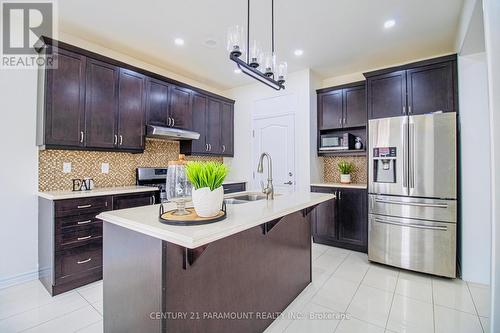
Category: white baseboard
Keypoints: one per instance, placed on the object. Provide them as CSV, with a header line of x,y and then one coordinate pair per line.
x,y
18,279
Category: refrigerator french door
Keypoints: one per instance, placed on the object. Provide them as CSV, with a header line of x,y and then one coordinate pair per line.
x,y
412,186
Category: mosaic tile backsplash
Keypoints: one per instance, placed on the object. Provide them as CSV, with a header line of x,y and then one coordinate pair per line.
x,y
122,166
332,174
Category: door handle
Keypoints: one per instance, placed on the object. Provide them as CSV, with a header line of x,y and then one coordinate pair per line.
x,y
81,136
168,121
116,139
206,148
209,147
173,122
412,225
83,206
84,222
288,182
411,130
405,154
84,261
121,139
223,148
416,204
83,238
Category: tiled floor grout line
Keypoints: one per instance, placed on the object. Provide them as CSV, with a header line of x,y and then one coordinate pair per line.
x,y
57,317
475,307
392,302
82,328
312,296
353,295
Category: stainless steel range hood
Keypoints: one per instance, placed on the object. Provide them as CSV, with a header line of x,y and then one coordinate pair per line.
x,y
169,133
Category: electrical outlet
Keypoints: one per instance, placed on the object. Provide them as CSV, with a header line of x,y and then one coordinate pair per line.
x,y
105,167
66,167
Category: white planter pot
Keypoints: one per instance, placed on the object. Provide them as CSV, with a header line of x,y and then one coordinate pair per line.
x,y
208,203
345,179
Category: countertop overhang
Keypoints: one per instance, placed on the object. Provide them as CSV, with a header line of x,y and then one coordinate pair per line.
x,y
240,217
97,192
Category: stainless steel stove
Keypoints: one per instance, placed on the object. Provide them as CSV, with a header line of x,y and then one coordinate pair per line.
x,y
155,177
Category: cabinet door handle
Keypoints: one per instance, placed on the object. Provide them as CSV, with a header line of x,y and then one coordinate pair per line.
x,y
206,148
209,147
84,238
340,121
121,139
84,261
116,139
84,222
81,136
223,148
83,206
409,109
340,195
153,199
173,122
404,109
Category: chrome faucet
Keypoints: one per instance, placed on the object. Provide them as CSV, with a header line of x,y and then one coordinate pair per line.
x,y
269,189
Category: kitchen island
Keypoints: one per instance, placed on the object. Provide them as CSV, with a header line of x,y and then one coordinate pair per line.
x,y
235,275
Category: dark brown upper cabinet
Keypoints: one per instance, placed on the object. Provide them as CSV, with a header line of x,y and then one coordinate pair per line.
x,y
342,107
158,102
430,89
214,120
64,120
355,106
101,105
330,110
227,129
92,102
214,127
387,95
418,88
131,114
180,111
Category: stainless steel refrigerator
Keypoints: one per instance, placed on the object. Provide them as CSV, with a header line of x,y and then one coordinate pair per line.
x,y
413,192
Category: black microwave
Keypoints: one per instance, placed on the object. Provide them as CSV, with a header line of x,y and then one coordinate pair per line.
x,y
344,141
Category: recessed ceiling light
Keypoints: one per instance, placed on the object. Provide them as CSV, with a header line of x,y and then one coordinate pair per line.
x,y
179,41
237,71
389,24
298,52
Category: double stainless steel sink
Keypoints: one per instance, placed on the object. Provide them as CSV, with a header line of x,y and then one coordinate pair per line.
x,y
244,198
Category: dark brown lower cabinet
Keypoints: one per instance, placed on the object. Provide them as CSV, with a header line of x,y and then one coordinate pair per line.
x,y
342,222
70,238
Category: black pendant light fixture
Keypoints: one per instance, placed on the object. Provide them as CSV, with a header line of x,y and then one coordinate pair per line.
x,y
259,65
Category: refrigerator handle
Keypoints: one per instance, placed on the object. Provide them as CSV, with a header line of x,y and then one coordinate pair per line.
x,y
411,172
405,153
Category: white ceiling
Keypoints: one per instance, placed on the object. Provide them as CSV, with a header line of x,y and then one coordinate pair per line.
x,y
338,36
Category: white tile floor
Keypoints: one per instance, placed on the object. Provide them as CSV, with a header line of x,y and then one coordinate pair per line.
x,y
375,298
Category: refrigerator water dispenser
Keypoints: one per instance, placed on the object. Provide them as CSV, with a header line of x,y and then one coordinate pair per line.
x,y
384,165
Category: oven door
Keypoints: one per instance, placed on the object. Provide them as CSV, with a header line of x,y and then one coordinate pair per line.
x,y
418,245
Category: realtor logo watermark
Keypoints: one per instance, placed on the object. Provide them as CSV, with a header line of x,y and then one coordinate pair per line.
x,y
23,24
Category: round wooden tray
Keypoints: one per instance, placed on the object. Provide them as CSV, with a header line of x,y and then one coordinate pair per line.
x,y
192,218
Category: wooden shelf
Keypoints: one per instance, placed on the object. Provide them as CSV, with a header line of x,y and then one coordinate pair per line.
x,y
354,152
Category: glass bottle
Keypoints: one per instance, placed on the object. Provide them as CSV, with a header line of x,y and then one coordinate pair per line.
x,y
178,188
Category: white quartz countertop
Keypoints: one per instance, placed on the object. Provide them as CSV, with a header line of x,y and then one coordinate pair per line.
x,y
60,195
240,217
340,185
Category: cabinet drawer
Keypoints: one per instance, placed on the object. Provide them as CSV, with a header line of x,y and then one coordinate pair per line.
x,y
321,189
71,264
82,206
77,236
233,188
67,223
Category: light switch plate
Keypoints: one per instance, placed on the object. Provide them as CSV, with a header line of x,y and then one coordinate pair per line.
x,y
105,167
66,167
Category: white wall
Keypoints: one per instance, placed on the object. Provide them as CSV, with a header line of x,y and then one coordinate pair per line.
x,y
18,177
475,173
491,10
19,167
297,93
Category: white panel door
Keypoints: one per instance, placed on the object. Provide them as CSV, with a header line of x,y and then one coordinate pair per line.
x,y
275,136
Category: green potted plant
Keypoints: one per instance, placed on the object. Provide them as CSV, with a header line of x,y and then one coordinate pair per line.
x,y
207,194
345,168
